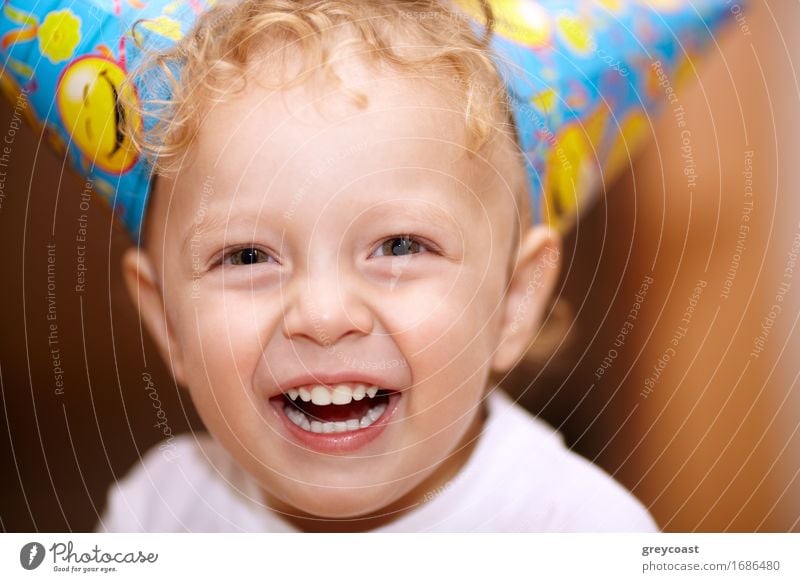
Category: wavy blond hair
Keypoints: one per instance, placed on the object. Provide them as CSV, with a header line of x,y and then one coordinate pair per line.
x,y
212,61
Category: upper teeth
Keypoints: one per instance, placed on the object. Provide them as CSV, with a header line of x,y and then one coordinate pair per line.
x,y
338,394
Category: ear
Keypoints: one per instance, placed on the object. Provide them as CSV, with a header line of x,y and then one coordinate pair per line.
x,y
532,283
145,290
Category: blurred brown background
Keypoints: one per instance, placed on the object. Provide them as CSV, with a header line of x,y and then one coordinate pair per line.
x,y
711,445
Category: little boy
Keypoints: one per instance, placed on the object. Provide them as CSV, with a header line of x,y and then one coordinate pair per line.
x,y
338,254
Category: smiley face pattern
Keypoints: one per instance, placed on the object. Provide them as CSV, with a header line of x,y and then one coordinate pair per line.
x,y
64,62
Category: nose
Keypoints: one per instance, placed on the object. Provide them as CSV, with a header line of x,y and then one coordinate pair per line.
x,y
325,308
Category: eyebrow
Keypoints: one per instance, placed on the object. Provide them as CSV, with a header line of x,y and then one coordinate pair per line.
x,y
424,212
209,224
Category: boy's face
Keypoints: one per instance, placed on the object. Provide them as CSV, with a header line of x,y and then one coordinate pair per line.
x,y
314,243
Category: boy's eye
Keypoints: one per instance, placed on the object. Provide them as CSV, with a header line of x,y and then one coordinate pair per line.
x,y
247,256
399,246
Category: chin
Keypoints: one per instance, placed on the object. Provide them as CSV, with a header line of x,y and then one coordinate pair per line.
x,y
342,501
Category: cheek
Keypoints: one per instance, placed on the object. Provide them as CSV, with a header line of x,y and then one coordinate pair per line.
x,y
451,299
222,347
224,353
452,322
449,353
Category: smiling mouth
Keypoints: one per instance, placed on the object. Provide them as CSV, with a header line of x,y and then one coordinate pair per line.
x,y
344,408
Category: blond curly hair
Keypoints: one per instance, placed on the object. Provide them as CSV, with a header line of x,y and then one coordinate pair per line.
x,y
211,63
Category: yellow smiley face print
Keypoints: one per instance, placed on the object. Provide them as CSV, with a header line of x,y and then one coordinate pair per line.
x,y
88,102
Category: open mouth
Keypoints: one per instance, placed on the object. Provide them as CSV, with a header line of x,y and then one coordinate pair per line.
x,y
343,408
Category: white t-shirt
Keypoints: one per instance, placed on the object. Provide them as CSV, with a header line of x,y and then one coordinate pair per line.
x,y
544,486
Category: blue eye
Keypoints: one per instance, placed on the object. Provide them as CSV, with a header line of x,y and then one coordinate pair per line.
x,y
246,256
400,246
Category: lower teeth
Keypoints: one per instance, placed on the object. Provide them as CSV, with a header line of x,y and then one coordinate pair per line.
x,y
299,418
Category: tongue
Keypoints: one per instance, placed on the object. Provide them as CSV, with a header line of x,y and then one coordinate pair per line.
x,y
337,412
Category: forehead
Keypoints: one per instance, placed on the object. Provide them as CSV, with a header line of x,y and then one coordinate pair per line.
x,y
290,149
315,121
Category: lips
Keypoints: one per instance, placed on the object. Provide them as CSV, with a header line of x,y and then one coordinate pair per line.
x,y
336,418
